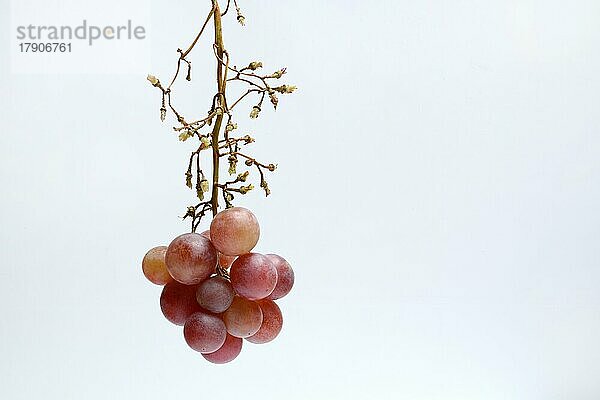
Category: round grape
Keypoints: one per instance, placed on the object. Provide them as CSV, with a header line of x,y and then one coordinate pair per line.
x,y
178,302
224,261
234,231
154,268
191,258
226,353
243,318
253,276
285,277
204,332
271,325
215,294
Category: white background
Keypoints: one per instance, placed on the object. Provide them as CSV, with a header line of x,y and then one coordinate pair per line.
x,y
437,196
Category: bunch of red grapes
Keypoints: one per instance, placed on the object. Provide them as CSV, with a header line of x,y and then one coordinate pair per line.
x,y
217,289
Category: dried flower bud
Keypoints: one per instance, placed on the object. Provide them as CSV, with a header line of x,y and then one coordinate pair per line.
x,y
255,111
254,65
241,19
185,135
248,139
285,89
265,186
246,189
153,80
204,142
243,177
204,185
199,193
188,179
271,167
232,165
274,100
191,211
249,163
230,127
277,74
163,113
228,199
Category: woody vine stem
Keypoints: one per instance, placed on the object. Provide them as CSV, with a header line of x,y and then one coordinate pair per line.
x,y
208,129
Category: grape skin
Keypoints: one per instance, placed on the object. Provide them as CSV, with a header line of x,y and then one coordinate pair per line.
x,y
243,318
226,353
154,267
234,231
253,276
271,325
204,332
191,258
285,277
178,302
224,261
215,294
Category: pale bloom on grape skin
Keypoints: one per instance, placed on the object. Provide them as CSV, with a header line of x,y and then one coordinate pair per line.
x,y
253,276
204,332
234,231
243,318
154,268
178,302
285,277
224,260
191,258
226,353
271,325
215,294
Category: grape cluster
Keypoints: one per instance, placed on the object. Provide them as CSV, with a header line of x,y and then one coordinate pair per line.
x,y
218,289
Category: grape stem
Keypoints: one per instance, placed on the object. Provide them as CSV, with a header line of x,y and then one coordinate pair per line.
x,y
221,84
259,85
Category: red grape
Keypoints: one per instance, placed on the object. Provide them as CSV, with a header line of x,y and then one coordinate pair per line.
x,y
178,302
243,318
253,276
215,294
224,261
191,258
271,325
204,332
226,353
285,277
154,268
234,231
